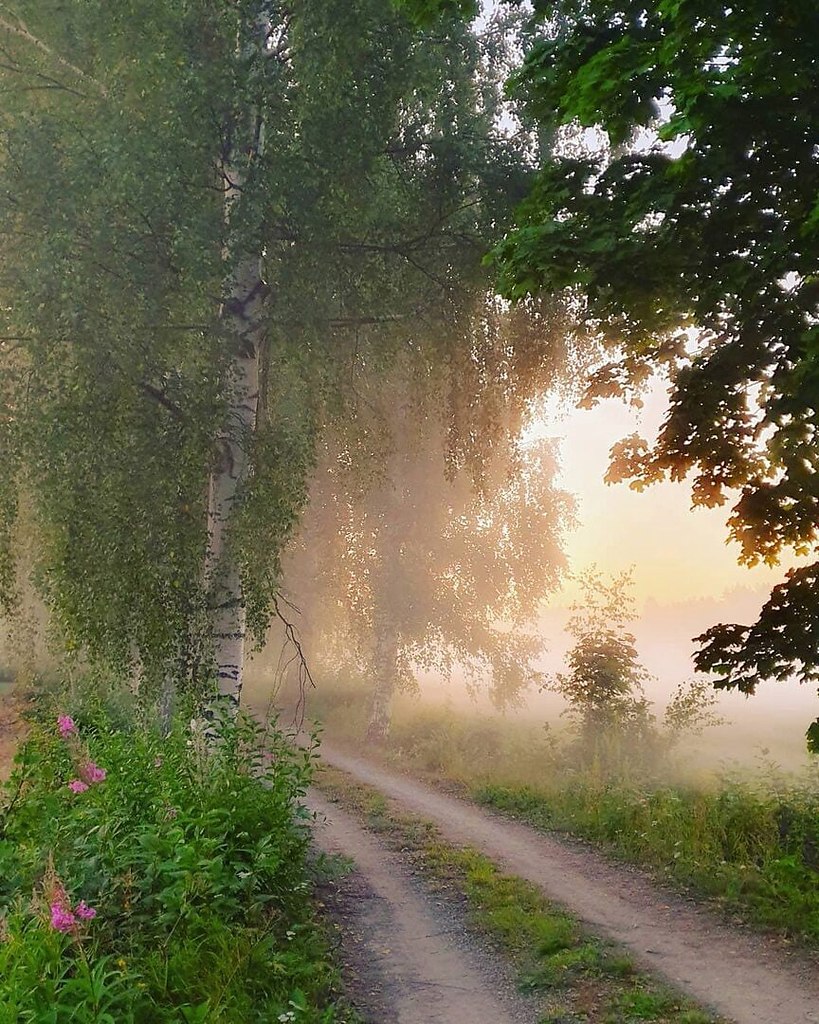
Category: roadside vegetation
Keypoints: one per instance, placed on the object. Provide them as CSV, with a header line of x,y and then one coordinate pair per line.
x,y
157,878
751,842
576,976
616,773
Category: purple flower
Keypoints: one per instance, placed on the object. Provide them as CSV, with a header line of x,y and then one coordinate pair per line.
x,y
84,912
92,773
62,920
65,723
77,786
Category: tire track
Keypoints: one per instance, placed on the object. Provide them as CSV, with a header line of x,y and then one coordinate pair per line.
x,y
744,977
411,961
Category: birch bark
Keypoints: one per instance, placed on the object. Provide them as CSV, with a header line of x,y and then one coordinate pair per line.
x,y
243,325
243,322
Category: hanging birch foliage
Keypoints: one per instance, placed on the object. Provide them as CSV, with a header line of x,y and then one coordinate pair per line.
x,y
211,212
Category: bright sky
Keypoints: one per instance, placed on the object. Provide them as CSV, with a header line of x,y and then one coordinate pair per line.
x,y
682,562
678,553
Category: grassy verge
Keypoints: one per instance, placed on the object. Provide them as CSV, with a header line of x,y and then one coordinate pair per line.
x,y
156,879
579,977
751,851
751,845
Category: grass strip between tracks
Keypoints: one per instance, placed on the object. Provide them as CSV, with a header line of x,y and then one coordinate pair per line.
x,y
578,977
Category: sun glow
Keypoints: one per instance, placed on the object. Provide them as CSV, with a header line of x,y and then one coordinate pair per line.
x,y
679,553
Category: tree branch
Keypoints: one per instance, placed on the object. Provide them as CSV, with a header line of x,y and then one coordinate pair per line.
x,y
10,64
162,398
21,31
305,677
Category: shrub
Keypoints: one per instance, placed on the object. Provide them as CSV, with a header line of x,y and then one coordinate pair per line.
x,y
169,885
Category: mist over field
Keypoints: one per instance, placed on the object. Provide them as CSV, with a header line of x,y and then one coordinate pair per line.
x,y
684,579
759,734
773,719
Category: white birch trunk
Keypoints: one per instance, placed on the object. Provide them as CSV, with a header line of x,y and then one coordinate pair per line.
x,y
242,320
244,325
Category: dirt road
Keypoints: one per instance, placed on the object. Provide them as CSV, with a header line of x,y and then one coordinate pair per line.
x,y
410,961
11,731
745,977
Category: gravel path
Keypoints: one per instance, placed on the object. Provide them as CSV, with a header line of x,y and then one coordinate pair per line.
x,y
406,955
743,976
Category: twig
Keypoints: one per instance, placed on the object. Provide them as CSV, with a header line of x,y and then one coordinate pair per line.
x,y
305,676
162,398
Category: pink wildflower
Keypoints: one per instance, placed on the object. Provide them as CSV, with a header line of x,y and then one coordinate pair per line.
x,y
157,762
66,725
62,919
84,912
77,786
92,773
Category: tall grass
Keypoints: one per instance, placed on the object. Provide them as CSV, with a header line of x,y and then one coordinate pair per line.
x,y
751,842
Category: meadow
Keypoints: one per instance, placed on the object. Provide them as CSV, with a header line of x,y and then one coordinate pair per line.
x,y
747,840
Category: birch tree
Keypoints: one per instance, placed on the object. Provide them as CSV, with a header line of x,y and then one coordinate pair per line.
x,y
439,558
213,214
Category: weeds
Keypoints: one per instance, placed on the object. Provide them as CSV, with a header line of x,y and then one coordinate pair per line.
x,y
746,848
169,887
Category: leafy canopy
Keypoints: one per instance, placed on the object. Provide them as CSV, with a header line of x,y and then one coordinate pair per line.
x,y
443,553
371,205
692,230
427,12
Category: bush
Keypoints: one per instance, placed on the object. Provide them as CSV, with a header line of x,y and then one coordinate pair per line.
x,y
151,879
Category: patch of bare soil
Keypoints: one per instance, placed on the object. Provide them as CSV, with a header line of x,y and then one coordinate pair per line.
x,y
11,731
407,957
746,977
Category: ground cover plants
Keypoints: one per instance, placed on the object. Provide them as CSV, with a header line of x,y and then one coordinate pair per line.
x,y
156,878
575,976
751,848
750,842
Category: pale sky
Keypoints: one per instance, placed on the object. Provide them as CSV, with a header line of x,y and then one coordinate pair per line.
x,y
678,553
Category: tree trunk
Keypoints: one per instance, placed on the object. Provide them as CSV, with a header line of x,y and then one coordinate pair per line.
x,y
385,670
243,323
242,318
167,697
137,672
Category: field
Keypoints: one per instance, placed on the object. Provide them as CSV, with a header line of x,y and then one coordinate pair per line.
x,y
749,841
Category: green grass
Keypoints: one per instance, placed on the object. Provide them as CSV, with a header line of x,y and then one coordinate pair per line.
x,y
578,977
751,845
751,850
193,857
